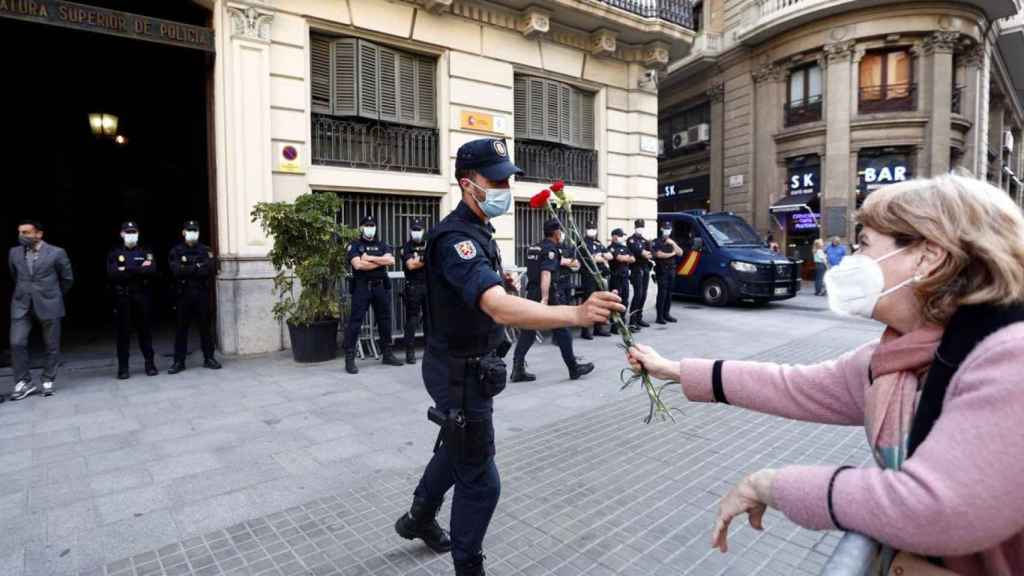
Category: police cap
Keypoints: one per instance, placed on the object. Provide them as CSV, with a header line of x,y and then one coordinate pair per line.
x,y
129,226
618,232
551,225
417,224
638,223
368,221
488,157
190,225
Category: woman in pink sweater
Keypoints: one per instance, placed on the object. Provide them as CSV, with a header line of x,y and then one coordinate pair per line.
x,y
928,247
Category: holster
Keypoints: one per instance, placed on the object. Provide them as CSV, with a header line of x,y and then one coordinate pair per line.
x,y
469,439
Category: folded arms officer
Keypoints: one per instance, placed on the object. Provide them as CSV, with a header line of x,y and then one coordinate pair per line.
x,y
601,257
639,274
666,251
620,261
131,270
192,264
369,284
415,291
467,305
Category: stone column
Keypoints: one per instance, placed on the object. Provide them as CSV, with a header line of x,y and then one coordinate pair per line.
x,y
716,93
838,190
767,112
243,139
937,51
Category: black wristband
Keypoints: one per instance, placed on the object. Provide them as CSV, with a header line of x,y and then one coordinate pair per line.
x,y
831,485
716,382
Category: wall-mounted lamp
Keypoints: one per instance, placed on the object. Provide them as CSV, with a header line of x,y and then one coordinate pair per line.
x,y
103,124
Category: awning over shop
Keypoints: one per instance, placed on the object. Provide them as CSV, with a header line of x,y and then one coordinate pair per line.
x,y
793,203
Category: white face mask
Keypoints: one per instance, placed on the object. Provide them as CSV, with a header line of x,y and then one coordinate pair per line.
x,y
640,232
417,235
191,235
857,284
131,239
620,240
369,232
666,232
591,232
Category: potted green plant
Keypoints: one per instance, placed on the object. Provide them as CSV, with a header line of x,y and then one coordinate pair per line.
x,y
309,247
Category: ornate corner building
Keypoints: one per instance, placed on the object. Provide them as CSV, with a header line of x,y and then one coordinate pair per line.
x,y
791,112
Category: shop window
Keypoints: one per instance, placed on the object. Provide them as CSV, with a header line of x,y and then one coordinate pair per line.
x,y
887,82
373,106
554,126
803,102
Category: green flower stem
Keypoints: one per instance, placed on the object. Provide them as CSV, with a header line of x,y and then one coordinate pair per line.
x,y
658,408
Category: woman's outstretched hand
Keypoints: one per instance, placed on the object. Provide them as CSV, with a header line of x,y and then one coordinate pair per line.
x,y
753,496
645,357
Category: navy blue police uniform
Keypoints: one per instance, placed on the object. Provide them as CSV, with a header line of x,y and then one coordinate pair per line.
x,y
665,272
639,275
620,271
192,266
587,281
414,294
462,372
369,288
131,273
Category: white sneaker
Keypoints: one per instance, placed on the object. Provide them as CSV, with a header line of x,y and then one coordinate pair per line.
x,y
22,389
47,388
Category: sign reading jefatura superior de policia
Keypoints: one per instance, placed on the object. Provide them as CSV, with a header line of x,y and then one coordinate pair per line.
x,y
104,21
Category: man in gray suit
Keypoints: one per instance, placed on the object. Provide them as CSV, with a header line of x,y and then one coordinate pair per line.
x,y
42,277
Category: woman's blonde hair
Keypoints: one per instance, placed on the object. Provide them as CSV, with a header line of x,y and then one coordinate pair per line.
x,y
819,243
977,224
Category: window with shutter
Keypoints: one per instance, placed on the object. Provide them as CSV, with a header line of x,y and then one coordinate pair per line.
x,y
587,121
344,76
406,89
369,80
388,78
564,113
426,90
553,119
553,111
521,109
535,118
320,73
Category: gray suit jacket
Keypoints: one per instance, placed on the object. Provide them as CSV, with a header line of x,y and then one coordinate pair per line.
x,y
42,291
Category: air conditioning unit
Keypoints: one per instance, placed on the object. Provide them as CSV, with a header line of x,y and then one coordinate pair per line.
x,y
700,133
1007,140
679,140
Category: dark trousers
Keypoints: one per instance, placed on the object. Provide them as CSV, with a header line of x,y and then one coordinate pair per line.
x,y
819,278
477,486
640,278
589,287
664,303
20,330
365,294
620,285
133,310
415,300
192,302
561,336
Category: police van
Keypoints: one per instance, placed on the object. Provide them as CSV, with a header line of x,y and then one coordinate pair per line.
x,y
724,260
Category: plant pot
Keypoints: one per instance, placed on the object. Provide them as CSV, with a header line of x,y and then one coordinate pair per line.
x,y
317,342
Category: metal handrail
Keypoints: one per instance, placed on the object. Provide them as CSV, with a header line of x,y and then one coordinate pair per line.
x,y
675,11
888,98
803,111
358,143
547,162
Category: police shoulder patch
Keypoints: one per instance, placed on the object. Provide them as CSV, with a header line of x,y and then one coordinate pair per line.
x,y
551,255
149,256
466,249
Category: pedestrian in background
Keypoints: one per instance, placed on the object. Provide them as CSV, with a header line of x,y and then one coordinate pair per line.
x,y
42,279
941,264
820,267
835,252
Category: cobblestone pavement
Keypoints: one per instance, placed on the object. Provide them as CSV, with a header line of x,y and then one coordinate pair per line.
x,y
268,467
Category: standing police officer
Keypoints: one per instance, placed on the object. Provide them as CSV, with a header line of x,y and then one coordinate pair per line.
x,y
639,275
466,308
369,284
665,253
415,294
621,259
600,262
545,264
570,263
192,264
131,270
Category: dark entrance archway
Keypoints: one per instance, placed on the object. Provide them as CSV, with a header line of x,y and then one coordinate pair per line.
x,y
81,186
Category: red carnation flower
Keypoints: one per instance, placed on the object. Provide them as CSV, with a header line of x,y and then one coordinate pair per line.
x,y
540,198
557,186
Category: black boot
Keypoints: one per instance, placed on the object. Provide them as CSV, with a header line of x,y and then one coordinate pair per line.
x,y
642,323
421,522
578,370
671,319
519,373
388,357
176,367
586,334
211,363
122,373
410,355
151,368
350,362
660,320
474,567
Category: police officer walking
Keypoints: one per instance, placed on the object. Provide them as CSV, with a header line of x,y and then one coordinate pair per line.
x,y
415,294
131,270
545,265
600,263
192,264
665,253
639,275
369,285
620,261
466,308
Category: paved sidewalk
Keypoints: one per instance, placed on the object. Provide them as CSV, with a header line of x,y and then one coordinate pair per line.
x,y
271,467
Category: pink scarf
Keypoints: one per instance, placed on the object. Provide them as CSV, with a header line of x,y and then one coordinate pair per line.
x,y
898,366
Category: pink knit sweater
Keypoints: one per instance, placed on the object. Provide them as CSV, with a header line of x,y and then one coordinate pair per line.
x,y
961,496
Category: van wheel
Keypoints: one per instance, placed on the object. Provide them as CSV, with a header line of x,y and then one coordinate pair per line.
x,y
715,292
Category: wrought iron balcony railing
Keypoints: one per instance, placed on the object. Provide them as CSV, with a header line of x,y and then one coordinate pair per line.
x,y
675,11
803,111
357,143
888,98
956,101
546,162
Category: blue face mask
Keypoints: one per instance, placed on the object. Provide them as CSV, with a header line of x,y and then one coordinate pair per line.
x,y
497,202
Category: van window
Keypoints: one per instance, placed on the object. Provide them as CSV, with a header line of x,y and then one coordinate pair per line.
x,y
732,232
682,233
